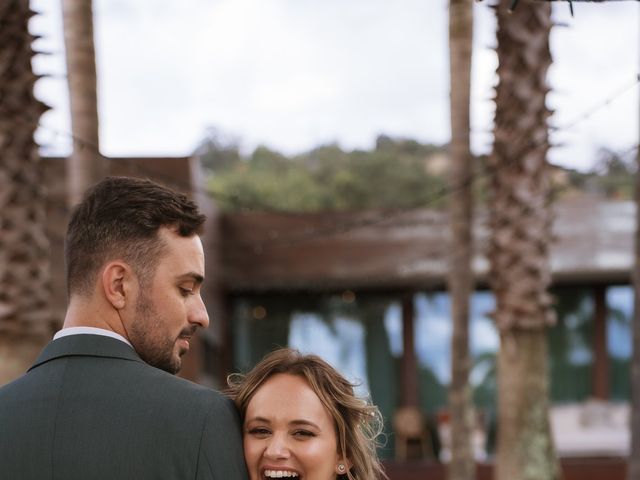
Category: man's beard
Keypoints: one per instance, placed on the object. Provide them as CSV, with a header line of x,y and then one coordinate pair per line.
x,y
149,340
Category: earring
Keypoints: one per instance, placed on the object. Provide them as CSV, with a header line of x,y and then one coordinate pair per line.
x,y
341,468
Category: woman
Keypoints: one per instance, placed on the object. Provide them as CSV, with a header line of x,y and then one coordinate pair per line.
x,y
301,419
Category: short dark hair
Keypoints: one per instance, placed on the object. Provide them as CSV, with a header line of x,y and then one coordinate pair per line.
x,y
120,217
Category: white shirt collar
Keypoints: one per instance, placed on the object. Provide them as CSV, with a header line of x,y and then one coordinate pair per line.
x,y
90,331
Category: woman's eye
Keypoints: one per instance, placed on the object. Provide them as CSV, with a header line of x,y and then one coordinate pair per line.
x,y
304,434
259,432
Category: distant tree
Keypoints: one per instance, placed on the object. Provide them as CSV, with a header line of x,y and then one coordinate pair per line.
x,y
384,142
404,146
85,166
460,278
25,319
328,178
611,162
613,175
219,152
520,221
266,181
265,159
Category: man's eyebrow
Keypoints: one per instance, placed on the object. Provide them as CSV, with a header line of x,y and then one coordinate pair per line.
x,y
196,277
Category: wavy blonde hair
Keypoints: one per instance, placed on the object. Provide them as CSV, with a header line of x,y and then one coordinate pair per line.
x,y
358,423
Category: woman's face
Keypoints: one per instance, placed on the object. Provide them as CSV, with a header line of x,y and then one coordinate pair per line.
x,y
288,433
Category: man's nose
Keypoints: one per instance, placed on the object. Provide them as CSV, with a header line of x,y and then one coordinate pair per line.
x,y
198,313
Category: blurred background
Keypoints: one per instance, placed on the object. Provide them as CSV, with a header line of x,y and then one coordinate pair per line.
x,y
317,138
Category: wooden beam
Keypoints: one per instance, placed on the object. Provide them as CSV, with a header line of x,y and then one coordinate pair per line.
x,y
409,363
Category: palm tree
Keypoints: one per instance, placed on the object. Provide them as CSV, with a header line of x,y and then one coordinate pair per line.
x,y
25,320
85,165
462,465
520,222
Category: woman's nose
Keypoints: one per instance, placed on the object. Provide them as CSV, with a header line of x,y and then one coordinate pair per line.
x,y
277,448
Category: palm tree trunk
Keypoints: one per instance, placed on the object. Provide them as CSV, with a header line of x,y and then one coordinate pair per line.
x,y
462,465
25,319
520,221
85,165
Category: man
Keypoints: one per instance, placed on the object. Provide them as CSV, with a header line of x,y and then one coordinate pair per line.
x,y
101,401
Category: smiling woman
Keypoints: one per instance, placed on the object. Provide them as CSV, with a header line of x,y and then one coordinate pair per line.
x,y
301,419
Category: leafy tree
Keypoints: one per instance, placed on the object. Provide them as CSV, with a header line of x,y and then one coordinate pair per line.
x,y
393,175
614,175
611,177
219,152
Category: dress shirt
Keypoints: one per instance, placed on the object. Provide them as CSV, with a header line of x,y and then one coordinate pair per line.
x,y
90,331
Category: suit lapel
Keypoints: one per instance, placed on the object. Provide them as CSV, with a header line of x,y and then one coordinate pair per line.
x,y
86,345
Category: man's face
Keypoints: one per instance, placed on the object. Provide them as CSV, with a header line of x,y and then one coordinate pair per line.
x,y
169,308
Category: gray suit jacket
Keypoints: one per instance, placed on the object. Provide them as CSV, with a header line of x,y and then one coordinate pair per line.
x,y
90,408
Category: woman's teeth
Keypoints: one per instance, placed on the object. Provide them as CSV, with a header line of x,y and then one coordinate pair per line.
x,y
279,474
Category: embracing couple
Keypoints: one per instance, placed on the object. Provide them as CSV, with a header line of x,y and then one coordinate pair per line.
x,y
101,401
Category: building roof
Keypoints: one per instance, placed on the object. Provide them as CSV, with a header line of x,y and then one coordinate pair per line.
x,y
592,243
408,249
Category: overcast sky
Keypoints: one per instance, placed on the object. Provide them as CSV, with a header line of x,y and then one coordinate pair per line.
x,y
294,74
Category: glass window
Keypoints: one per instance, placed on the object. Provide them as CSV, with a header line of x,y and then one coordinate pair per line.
x,y
362,337
619,340
340,341
484,344
433,330
571,345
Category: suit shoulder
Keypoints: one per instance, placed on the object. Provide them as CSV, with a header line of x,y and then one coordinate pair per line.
x,y
182,388
15,387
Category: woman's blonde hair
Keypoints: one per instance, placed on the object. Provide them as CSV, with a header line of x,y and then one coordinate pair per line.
x,y
358,423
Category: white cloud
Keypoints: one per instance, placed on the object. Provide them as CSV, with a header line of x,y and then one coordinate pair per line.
x,y
293,74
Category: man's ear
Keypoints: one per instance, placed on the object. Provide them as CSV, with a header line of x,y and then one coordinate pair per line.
x,y
117,279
